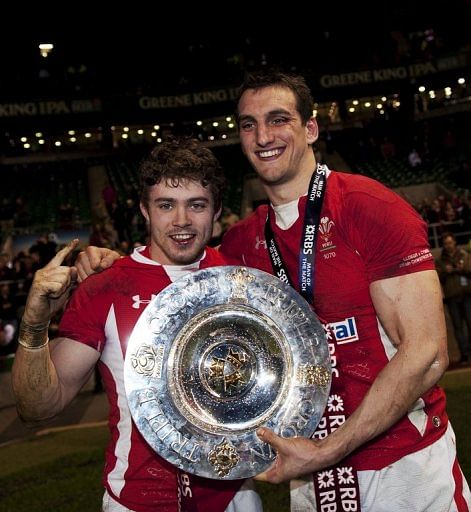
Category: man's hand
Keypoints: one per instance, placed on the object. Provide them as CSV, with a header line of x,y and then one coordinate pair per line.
x,y
50,288
94,259
295,457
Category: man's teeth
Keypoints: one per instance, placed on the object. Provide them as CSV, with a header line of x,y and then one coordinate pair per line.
x,y
272,152
181,238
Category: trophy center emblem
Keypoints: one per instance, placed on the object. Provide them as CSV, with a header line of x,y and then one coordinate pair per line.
x,y
227,370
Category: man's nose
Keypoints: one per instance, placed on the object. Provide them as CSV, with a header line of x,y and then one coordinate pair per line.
x,y
181,217
264,135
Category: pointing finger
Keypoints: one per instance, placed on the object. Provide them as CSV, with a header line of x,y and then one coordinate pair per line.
x,y
62,254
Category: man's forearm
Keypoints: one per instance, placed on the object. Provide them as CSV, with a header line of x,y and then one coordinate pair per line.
x,y
410,310
398,386
35,384
41,390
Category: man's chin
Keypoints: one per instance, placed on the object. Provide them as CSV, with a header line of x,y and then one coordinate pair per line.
x,y
271,174
186,258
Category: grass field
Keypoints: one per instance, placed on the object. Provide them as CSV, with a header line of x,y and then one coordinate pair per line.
x,y
61,471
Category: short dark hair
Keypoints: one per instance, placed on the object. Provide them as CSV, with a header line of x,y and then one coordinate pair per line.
x,y
181,159
275,78
448,234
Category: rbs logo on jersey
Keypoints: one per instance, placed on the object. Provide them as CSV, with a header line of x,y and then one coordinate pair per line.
x,y
344,331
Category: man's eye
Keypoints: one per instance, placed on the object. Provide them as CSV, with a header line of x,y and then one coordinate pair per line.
x,y
164,206
198,206
246,126
280,120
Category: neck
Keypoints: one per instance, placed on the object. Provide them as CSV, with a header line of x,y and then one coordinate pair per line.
x,y
296,187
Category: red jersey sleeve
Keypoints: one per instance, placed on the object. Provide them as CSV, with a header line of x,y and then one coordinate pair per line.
x,y
85,315
388,233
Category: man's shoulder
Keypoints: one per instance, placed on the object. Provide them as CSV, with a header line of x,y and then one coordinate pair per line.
x,y
348,182
99,282
358,191
123,262
254,219
213,258
239,237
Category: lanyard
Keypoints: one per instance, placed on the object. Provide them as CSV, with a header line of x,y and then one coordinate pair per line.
x,y
307,253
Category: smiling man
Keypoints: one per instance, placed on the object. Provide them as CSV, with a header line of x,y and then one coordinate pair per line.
x,y
359,255
181,190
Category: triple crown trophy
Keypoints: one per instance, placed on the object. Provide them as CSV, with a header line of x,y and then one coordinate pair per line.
x,y
214,356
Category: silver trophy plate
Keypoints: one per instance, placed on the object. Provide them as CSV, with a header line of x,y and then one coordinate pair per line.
x,y
214,356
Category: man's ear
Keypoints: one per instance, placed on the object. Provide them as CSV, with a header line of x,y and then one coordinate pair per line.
x,y
144,211
312,130
217,214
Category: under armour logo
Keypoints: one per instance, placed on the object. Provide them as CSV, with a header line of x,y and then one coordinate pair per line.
x,y
138,301
259,242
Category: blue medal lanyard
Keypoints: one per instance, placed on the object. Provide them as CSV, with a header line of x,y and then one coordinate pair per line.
x,y
307,249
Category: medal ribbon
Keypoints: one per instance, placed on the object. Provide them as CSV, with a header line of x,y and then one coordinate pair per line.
x,y
307,253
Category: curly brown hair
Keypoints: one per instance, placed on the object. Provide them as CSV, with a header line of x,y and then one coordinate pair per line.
x,y
181,159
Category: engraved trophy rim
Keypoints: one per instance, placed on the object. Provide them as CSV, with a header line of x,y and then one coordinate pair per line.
x,y
217,354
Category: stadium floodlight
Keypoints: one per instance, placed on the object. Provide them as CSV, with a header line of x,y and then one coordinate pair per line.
x,y
45,49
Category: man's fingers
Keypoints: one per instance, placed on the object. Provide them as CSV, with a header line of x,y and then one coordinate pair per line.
x,y
271,474
62,254
73,275
82,264
108,260
268,436
54,281
94,259
62,284
262,477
